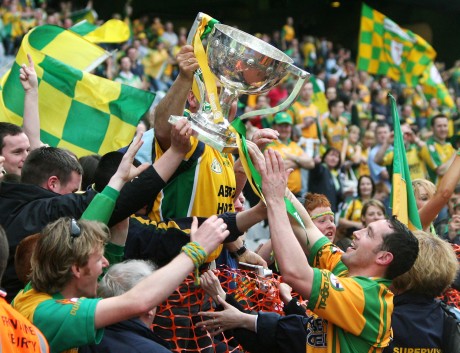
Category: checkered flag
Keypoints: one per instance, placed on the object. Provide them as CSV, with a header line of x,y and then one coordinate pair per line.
x,y
387,49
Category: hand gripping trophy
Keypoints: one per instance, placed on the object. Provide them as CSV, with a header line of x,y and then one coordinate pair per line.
x,y
242,64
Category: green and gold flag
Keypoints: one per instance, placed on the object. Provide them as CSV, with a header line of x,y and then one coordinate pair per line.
x,y
112,31
433,86
79,111
403,203
85,14
387,49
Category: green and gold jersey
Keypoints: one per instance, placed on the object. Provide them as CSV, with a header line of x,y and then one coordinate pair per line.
x,y
204,185
417,168
335,132
355,311
352,210
294,182
434,154
299,111
66,323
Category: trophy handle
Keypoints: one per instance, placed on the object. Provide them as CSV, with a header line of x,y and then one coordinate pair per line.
x,y
194,28
302,77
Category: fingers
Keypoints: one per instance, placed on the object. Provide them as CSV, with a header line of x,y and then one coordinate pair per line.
x,y
134,146
194,226
31,62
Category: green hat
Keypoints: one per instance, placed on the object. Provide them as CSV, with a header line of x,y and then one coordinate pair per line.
x,y
282,118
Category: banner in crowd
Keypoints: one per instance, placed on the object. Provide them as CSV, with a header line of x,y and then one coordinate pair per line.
x,y
85,14
319,98
112,31
403,204
387,49
79,111
433,86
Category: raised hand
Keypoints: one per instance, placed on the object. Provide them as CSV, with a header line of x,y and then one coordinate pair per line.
x,y
180,137
28,76
211,285
210,234
250,257
187,62
264,136
229,318
126,170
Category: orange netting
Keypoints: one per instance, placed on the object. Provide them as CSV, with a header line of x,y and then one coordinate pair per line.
x,y
175,319
452,296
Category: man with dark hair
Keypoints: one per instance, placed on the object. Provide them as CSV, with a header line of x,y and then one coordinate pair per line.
x,y
334,126
14,146
26,209
379,173
54,169
438,153
348,292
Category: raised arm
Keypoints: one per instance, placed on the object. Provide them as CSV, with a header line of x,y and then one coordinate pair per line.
x,y
444,191
306,241
291,258
153,290
173,102
31,121
142,190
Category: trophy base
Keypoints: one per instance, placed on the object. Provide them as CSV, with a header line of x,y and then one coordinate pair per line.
x,y
216,136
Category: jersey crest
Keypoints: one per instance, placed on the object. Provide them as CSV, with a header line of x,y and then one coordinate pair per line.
x,y
216,167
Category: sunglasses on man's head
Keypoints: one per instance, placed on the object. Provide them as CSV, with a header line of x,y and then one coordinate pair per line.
x,y
75,230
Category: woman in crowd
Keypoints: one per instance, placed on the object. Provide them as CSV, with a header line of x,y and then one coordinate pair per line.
x,y
324,178
350,217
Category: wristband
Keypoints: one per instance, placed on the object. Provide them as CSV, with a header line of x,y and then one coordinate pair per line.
x,y
236,254
198,255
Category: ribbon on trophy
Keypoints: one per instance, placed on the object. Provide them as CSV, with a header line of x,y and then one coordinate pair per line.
x,y
204,28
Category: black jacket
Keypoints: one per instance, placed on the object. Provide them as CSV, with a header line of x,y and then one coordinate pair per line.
x,y
417,322
321,181
160,242
128,336
26,209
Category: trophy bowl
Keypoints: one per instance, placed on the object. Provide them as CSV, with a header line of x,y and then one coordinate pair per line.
x,y
243,64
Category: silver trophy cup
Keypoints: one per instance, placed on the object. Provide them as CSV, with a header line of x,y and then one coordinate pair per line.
x,y
243,64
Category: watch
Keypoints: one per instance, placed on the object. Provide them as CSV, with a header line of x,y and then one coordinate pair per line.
x,y
238,253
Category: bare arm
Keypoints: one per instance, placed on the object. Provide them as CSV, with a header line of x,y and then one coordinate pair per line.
x,y
153,290
180,145
174,101
378,158
31,121
445,189
290,256
302,161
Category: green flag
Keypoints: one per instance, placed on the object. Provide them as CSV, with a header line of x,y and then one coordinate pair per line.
x,y
433,86
387,49
403,202
112,31
79,111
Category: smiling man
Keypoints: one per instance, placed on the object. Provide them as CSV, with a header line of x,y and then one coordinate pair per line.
x,y
347,292
14,146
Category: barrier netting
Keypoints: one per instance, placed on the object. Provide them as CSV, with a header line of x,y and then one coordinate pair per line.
x,y
175,319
